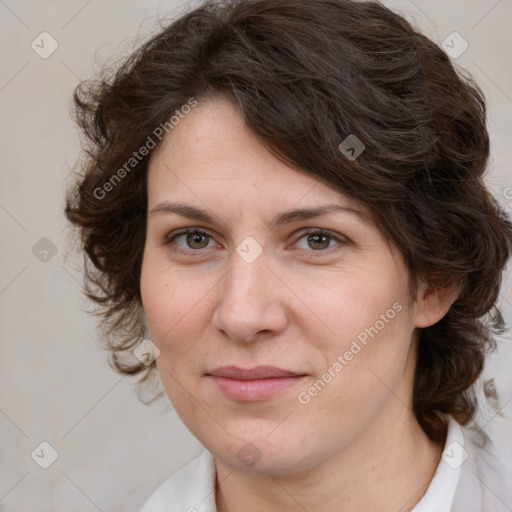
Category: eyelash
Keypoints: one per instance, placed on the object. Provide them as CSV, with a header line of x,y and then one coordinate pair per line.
x,y
308,231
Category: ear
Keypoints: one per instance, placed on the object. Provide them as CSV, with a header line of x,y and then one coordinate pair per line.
x,y
434,303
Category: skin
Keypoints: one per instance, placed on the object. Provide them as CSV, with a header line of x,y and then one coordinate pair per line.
x,y
299,305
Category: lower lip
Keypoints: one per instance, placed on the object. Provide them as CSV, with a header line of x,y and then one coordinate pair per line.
x,y
254,390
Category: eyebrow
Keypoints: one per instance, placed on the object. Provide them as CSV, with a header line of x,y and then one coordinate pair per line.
x,y
286,217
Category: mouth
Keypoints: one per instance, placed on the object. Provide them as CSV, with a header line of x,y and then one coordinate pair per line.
x,y
253,384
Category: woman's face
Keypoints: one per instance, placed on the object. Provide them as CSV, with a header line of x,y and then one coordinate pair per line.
x,y
250,287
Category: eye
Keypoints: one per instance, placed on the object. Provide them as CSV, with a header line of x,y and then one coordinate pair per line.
x,y
319,240
192,238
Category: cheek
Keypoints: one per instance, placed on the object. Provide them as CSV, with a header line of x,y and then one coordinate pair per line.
x,y
164,307
356,305
175,307
369,326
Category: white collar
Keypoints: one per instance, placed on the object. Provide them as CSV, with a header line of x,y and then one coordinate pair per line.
x,y
441,491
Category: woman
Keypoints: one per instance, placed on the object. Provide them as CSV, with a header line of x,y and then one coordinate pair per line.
x,y
284,200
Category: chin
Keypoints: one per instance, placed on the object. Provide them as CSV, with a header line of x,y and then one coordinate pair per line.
x,y
257,454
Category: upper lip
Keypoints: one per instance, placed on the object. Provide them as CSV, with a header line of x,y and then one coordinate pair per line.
x,y
258,372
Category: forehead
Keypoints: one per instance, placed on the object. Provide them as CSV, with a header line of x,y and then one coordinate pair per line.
x,y
211,152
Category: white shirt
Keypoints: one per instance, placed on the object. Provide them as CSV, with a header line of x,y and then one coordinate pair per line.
x,y
469,478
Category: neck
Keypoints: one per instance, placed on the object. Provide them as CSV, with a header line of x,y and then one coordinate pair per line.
x,y
388,468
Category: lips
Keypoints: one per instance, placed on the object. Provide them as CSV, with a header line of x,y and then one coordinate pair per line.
x,y
253,384
257,373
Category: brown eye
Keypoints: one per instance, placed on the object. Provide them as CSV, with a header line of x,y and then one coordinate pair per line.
x,y
197,240
191,239
318,240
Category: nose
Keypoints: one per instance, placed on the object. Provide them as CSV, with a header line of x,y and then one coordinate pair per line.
x,y
249,304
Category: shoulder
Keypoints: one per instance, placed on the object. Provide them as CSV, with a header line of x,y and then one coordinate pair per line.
x,y
485,481
191,489
471,475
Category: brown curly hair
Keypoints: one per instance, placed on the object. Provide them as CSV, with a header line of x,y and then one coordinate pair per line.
x,y
305,75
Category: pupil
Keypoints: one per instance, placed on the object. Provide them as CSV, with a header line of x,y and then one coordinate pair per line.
x,y
324,239
192,238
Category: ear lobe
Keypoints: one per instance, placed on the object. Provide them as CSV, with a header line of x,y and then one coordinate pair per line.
x,y
434,303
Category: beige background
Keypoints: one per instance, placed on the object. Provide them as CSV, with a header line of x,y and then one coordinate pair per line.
x,y
56,385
